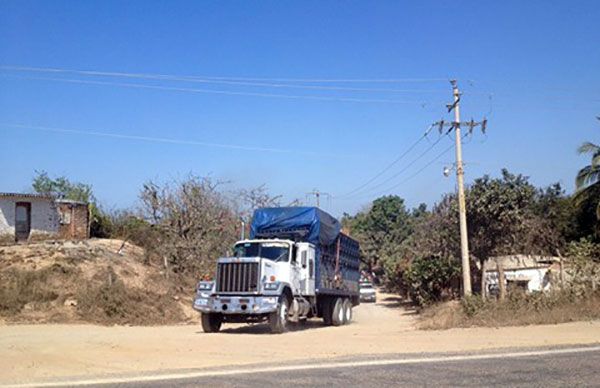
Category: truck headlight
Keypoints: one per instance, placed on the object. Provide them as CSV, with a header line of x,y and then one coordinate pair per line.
x,y
204,286
271,286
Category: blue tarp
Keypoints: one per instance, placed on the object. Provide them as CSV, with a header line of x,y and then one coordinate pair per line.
x,y
308,224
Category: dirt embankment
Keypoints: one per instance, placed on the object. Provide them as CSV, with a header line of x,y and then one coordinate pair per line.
x,y
94,281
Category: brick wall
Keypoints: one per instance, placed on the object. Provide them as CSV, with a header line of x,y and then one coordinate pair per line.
x,y
74,220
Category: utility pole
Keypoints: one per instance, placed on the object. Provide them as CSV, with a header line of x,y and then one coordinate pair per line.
x,y
462,207
460,172
317,194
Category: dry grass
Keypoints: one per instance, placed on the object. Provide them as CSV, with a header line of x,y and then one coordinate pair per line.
x,y
519,309
65,282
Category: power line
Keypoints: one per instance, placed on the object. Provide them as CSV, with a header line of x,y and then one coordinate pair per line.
x,y
236,78
440,155
389,166
221,92
197,79
406,167
154,139
444,152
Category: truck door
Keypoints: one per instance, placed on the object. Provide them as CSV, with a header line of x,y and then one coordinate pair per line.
x,y
295,271
307,269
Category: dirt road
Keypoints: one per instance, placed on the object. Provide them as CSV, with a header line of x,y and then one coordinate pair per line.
x,y
38,352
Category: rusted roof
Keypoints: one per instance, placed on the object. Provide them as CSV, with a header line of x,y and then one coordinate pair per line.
x,y
71,202
25,195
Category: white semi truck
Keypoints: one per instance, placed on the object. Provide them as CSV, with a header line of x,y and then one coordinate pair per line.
x,y
295,266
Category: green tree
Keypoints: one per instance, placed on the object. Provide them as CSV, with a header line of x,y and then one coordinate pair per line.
x,y
431,279
587,185
63,188
590,174
381,229
505,215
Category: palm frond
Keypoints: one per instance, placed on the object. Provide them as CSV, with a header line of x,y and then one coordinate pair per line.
x,y
596,159
587,176
588,148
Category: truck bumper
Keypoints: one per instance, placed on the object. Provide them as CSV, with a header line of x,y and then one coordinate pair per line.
x,y
368,298
236,304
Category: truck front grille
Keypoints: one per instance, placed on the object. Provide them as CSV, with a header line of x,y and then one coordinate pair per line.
x,y
237,277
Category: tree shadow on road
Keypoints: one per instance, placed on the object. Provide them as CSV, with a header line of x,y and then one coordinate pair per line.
x,y
397,302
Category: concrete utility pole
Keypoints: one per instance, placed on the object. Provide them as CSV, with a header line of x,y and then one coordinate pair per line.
x,y
462,207
460,172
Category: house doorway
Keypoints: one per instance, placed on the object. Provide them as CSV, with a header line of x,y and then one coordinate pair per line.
x,y
22,221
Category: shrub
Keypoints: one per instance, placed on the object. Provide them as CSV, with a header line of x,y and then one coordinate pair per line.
x,y
430,278
583,266
20,287
518,309
112,302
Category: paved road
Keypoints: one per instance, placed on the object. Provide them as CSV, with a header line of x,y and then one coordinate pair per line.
x,y
556,367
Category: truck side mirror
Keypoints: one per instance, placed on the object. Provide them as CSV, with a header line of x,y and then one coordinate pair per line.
x,y
303,259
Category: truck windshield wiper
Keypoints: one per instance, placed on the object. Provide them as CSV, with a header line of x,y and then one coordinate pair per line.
x,y
280,256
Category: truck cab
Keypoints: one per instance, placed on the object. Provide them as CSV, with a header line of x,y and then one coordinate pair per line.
x,y
265,279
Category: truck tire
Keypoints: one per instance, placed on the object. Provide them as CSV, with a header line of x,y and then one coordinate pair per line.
x,y
327,311
211,323
347,311
337,318
278,318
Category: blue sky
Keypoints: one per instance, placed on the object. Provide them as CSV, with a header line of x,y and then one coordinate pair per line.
x,y
538,59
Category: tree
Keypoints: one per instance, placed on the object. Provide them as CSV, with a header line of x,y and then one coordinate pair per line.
x,y
63,188
381,229
587,185
248,200
590,174
430,279
193,223
505,215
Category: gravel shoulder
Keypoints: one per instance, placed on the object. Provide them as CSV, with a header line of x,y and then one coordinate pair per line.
x,y
39,352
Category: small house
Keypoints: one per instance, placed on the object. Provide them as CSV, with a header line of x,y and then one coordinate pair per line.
x,y
34,217
527,272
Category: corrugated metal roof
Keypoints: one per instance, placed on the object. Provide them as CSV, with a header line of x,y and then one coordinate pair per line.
x,y
25,195
71,201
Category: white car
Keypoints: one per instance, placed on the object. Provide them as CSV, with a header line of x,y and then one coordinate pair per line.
x,y
367,292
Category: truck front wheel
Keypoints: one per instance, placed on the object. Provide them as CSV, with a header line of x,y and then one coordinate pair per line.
x,y
278,318
211,323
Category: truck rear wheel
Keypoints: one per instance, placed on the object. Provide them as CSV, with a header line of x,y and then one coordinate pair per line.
x,y
337,317
326,311
278,318
211,323
347,311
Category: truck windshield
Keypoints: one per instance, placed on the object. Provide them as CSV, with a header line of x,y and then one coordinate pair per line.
x,y
272,251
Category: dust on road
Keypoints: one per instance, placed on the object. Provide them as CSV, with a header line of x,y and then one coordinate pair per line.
x,y
38,352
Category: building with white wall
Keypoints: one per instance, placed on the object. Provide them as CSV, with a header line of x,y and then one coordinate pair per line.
x,y
530,273
33,217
